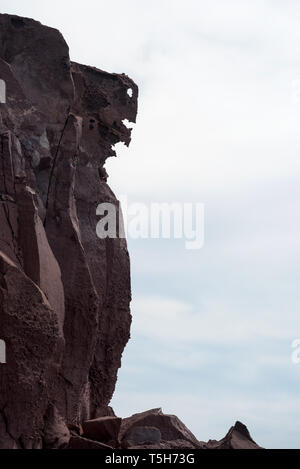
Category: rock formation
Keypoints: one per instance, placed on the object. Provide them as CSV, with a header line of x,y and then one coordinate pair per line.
x,y
64,293
153,430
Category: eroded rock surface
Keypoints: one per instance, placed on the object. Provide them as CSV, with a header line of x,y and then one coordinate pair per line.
x,y
64,293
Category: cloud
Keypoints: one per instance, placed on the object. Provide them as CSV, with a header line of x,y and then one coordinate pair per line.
x,y
170,320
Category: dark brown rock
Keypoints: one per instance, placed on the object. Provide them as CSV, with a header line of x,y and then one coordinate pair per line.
x,y
104,411
238,437
174,444
64,293
78,442
30,329
39,58
170,427
103,429
142,436
56,433
175,435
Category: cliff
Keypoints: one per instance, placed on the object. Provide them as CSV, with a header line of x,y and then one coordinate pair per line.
x,y
64,293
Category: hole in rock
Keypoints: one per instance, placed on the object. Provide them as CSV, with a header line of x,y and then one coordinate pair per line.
x,y
128,124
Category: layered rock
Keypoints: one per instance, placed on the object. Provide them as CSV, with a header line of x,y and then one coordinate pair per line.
x,y
64,293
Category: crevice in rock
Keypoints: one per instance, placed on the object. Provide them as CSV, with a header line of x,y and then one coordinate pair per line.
x,y
2,412
6,208
54,162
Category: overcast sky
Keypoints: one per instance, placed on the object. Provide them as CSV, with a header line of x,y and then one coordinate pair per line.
x,y
219,118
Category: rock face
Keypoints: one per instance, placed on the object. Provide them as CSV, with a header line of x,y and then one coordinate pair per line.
x,y
64,293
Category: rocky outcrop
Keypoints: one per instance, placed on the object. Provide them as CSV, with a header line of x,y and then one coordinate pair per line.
x,y
238,437
155,430
170,427
64,293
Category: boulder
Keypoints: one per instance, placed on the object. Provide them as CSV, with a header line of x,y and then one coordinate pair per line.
x,y
78,442
104,429
64,293
238,437
142,436
170,427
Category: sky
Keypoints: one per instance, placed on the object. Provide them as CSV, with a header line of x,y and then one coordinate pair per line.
x,y
218,124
